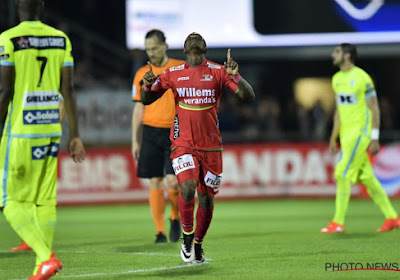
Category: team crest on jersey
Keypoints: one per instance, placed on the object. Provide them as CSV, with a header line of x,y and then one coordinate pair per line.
x,y
207,78
1,49
352,83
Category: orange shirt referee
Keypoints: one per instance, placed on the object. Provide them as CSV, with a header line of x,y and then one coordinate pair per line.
x,y
151,145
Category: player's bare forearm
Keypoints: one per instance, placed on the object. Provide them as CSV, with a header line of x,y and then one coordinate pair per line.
x,y
7,79
336,126
148,97
68,93
62,110
137,116
374,107
246,91
5,97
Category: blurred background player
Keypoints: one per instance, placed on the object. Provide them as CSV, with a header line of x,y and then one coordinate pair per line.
x,y
356,123
152,146
35,60
196,140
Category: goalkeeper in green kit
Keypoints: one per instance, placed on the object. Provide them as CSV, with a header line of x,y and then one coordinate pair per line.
x,y
356,123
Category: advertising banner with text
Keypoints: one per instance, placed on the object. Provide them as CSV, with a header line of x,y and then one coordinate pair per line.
x,y
251,170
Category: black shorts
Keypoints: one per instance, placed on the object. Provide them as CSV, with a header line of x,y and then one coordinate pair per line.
x,y
154,160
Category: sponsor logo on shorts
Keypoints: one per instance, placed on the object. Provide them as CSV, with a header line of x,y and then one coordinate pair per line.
x,y
183,78
41,116
182,163
40,152
212,180
41,99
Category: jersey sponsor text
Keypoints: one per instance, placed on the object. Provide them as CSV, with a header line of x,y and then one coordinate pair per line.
x,y
41,116
41,99
38,42
346,99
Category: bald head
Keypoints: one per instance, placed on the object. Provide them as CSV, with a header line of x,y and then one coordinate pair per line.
x,y
29,9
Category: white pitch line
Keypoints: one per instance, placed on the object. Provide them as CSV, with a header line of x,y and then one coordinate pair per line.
x,y
117,253
186,265
134,271
131,271
108,252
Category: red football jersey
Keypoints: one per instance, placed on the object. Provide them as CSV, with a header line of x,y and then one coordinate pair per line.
x,y
197,92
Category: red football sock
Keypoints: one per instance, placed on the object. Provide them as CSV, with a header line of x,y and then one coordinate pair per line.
x,y
186,210
203,221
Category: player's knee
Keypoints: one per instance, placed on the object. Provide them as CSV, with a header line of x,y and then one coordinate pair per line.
x,y
188,189
156,183
341,177
206,201
172,182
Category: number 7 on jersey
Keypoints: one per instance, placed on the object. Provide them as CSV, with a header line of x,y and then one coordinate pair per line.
x,y
43,59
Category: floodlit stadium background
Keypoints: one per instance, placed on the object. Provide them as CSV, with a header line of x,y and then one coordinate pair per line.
x,y
274,147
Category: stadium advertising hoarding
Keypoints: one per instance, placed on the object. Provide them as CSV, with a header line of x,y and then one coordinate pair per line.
x,y
105,116
253,170
260,23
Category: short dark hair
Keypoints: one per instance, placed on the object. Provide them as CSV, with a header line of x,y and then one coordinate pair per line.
x,y
351,49
158,33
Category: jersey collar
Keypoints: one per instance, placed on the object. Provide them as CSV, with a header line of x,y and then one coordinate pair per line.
x,y
203,63
31,22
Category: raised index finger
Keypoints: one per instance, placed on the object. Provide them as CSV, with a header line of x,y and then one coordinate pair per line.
x,y
148,63
228,56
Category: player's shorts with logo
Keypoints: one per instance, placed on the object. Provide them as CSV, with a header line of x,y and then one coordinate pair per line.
x,y
203,166
28,170
154,157
354,163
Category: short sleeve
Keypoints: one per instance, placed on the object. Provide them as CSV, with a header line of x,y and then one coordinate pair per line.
x,y
228,82
6,51
162,83
68,58
369,87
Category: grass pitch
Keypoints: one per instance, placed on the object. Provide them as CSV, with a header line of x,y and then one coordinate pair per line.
x,y
259,239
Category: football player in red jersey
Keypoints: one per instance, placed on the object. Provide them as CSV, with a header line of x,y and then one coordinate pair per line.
x,y
196,142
